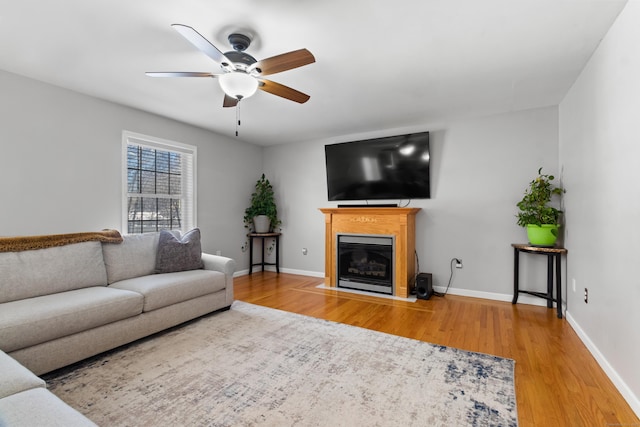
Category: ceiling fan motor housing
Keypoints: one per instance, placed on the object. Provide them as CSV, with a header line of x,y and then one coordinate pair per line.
x,y
237,56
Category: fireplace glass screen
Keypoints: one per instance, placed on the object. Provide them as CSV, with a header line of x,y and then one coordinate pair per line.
x,y
365,263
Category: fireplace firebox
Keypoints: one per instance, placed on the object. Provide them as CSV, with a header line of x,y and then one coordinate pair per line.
x,y
365,262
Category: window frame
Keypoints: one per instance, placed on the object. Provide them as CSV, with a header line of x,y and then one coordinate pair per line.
x,y
188,176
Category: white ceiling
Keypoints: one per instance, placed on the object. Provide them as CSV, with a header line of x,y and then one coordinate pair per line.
x,y
380,64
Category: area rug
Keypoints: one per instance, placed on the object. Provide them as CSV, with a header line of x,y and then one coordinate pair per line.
x,y
256,366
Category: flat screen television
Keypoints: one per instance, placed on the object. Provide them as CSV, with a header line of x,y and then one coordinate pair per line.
x,y
395,167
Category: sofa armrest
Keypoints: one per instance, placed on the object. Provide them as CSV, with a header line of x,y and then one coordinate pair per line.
x,y
224,265
219,263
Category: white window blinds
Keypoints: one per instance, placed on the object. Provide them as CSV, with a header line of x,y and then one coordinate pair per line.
x,y
159,184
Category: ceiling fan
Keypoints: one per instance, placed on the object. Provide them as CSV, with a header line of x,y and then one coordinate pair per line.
x,y
242,73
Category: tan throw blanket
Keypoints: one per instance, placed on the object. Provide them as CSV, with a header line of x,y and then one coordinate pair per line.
x,y
27,243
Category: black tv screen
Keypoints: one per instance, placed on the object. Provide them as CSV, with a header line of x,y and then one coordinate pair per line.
x,y
395,167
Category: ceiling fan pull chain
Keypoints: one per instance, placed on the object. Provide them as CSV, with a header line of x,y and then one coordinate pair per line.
x,y
237,116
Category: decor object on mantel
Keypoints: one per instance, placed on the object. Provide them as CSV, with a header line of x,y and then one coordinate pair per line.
x,y
262,215
253,365
540,219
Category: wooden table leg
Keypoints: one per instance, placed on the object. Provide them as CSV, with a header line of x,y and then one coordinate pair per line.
x,y
516,273
549,281
277,254
250,254
559,285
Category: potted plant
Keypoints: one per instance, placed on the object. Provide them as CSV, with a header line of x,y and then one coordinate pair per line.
x,y
536,214
262,215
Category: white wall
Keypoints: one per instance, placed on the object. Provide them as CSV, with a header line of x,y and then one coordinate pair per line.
x,y
60,165
600,152
480,168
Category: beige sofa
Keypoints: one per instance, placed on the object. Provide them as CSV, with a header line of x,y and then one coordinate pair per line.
x,y
62,304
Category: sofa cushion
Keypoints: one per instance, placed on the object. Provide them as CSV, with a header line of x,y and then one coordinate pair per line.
x,y
39,407
15,377
179,253
161,290
36,320
29,274
134,257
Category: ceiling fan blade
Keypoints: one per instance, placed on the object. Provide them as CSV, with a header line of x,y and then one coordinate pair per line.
x,y
283,91
284,62
229,101
204,45
178,74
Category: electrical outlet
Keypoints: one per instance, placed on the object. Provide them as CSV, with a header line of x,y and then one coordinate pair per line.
x,y
304,251
458,263
573,284
586,296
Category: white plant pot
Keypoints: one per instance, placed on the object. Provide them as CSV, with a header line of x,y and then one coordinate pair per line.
x,y
261,223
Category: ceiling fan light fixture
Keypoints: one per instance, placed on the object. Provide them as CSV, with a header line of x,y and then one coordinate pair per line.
x,y
238,85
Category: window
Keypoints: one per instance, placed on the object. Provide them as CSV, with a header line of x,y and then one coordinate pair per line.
x,y
159,184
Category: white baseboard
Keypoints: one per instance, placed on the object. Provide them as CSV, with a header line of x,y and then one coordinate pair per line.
x,y
282,270
522,299
622,387
303,272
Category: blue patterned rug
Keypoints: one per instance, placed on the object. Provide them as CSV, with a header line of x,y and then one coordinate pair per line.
x,y
255,366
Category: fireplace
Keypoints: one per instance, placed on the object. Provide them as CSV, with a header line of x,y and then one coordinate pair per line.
x,y
365,262
395,223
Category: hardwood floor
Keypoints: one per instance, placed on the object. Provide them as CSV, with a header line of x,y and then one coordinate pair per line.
x,y
558,382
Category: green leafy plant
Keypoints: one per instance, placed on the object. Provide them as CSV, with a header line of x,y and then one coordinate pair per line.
x,y
534,206
263,202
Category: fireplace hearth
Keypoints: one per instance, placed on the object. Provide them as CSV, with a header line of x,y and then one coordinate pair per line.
x,y
365,262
